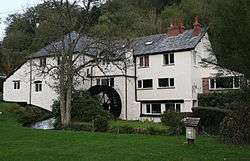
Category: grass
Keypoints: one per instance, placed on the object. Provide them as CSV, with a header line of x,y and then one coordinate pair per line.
x,y
24,144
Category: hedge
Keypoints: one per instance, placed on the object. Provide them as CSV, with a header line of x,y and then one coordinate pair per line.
x,y
210,118
235,128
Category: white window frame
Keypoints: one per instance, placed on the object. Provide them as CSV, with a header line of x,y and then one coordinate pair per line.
x,y
142,84
168,56
169,84
215,87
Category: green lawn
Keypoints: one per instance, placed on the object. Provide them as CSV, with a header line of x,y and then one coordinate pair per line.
x,y
23,144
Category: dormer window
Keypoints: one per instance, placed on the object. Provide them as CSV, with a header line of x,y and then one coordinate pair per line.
x,y
43,62
144,61
168,59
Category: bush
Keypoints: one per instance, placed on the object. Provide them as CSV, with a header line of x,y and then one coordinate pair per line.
x,y
101,124
210,118
82,126
173,119
223,99
235,128
30,114
85,108
123,129
137,127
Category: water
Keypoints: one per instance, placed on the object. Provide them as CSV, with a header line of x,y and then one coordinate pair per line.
x,y
46,124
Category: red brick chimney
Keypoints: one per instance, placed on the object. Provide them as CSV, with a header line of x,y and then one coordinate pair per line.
x,y
175,29
181,27
197,27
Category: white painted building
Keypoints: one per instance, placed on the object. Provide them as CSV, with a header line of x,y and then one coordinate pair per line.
x,y
167,73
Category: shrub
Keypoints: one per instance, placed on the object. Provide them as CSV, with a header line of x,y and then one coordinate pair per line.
x,y
137,127
223,99
210,118
235,128
29,114
128,129
101,123
82,126
173,119
85,108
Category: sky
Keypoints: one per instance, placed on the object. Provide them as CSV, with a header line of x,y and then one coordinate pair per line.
x,y
12,6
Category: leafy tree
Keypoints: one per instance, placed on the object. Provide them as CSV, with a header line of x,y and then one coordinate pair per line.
x,y
229,33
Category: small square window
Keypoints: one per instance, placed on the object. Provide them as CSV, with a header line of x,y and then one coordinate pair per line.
x,y
147,83
38,86
105,82
43,62
168,59
16,84
163,82
144,61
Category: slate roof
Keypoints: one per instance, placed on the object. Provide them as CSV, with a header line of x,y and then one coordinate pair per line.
x,y
152,44
163,43
87,44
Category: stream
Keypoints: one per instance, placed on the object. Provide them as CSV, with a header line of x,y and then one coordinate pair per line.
x,y
45,125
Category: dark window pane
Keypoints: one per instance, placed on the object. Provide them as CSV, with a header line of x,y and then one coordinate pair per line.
x,y
178,108
112,82
166,59
171,82
16,84
163,82
98,81
105,82
212,83
146,60
148,83
236,82
171,58
170,107
59,60
141,61
224,82
156,108
139,84
148,108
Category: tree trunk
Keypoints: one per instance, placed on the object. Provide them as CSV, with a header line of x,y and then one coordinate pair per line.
x,y
68,106
62,108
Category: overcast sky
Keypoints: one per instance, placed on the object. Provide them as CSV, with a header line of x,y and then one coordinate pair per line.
x,y
12,6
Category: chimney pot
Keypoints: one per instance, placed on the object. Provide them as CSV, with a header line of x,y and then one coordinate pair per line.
x,y
175,29
197,27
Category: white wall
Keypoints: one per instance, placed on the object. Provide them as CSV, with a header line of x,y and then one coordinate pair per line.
x,y
17,95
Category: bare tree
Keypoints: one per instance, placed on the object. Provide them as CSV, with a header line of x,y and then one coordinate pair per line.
x,y
75,46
